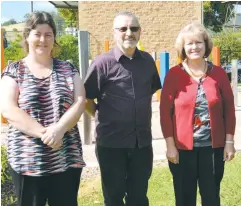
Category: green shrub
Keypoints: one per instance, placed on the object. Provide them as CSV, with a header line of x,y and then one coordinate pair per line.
x,y
14,51
68,49
7,190
5,169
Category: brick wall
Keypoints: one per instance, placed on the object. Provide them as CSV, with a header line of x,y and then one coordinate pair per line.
x,y
160,22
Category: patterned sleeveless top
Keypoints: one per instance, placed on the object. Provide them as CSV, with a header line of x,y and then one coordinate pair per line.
x,y
45,100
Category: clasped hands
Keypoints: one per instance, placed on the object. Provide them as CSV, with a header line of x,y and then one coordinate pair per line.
x,y
53,136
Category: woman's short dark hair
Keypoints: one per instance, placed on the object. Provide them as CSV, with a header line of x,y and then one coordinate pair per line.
x,y
35,19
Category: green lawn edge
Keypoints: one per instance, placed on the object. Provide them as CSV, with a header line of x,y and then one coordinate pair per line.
x,y
160,190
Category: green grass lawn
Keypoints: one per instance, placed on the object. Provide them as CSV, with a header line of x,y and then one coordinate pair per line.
x,y
161,190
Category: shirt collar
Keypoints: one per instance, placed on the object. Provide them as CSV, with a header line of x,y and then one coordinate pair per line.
x,y
118,53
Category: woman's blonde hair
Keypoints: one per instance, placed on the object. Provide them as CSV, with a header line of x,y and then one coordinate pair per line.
x,y
194,28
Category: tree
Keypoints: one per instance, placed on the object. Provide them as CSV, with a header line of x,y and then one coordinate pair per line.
x,y
216,13
59,22
229,45
9,22
68,49
70,15
14,51
26,16
56,16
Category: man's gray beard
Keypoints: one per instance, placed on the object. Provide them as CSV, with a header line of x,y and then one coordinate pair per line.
x,y
130,45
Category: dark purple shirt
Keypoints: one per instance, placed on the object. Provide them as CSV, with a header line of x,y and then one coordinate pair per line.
x,y
123,88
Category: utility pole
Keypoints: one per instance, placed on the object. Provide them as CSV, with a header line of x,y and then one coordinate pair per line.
x,y
31,6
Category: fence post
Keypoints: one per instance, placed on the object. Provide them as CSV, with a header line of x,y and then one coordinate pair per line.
x,y
153,54
179,60
3,120
164,65
158,92
140,46
106,46
234,78
83,41
216,56
2,51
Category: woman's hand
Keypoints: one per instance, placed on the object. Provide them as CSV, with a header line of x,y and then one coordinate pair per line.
x,y
172,154
229,152
53,135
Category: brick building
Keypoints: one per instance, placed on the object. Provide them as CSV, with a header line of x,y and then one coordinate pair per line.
x,y
160,21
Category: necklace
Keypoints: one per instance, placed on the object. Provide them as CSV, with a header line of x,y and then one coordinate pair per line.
x,y
192,73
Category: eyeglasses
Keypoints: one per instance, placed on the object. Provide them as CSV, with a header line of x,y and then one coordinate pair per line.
x,y
132,28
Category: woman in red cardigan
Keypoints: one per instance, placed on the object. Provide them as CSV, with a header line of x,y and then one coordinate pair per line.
x,y
197,119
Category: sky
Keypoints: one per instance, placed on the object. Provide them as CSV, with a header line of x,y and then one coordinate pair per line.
x,y
17,9
238,8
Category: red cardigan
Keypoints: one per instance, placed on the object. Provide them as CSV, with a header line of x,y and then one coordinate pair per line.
x,y
177,106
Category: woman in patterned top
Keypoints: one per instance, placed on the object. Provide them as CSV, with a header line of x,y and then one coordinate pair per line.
x,y
43,99
198,119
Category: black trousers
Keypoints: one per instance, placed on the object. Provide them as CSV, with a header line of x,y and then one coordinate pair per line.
x,y
125,174
203,166
58,189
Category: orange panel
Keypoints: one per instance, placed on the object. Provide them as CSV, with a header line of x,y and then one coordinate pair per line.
x,y
106,46
179,60
158,92
2,51
216,56
3,120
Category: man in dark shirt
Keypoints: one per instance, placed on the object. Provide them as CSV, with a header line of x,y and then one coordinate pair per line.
x,y
123,82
